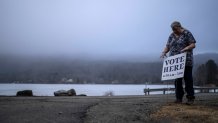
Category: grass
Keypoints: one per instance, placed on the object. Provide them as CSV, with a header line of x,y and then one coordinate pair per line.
x,y
181,113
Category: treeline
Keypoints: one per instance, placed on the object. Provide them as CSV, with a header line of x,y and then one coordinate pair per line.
x,y
206,74
48,70
80,72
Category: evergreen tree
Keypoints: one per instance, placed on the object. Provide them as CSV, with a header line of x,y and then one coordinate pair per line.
x,y
200,75
211,72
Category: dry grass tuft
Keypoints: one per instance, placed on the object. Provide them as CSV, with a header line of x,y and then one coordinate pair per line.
x,y
179,113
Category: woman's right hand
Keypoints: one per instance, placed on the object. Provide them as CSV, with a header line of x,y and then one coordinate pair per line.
x,y
163,55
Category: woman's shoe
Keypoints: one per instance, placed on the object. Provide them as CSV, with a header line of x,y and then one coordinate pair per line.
x,y
178,101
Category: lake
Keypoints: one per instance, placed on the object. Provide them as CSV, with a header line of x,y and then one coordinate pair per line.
x,y
88,89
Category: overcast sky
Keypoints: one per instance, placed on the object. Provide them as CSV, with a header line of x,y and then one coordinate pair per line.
x,y
103,28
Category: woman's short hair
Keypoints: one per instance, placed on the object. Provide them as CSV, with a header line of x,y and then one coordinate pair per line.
x,y
176,24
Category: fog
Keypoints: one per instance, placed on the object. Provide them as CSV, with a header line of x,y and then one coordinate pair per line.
x,y
103,29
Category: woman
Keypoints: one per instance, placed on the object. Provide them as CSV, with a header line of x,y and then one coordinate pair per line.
x,y
181,40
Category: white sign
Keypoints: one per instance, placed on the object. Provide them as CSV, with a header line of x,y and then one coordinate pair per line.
x,y
173,67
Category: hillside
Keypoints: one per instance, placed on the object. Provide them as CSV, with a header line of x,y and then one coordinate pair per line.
x,y
202,58
59,70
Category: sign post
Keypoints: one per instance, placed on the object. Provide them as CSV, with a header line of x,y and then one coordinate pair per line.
x,y
174,67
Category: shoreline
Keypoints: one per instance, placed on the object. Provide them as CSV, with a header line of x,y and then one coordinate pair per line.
x,y
88,89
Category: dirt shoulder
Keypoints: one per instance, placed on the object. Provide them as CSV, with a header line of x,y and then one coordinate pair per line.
x,y
44,109
115,109
124,110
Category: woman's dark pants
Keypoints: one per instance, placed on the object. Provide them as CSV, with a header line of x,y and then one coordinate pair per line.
x,y
188,85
